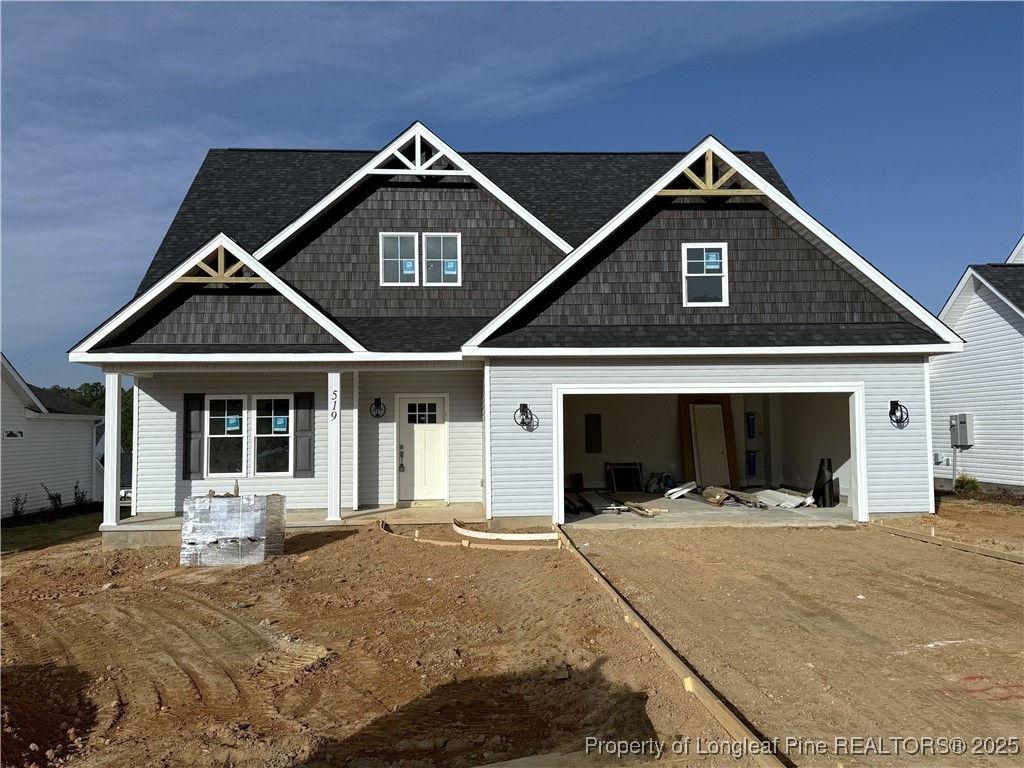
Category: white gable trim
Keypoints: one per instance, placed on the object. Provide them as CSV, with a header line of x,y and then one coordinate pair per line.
x,y
952,310
787,205
167,283
21,386
416,132
1017,254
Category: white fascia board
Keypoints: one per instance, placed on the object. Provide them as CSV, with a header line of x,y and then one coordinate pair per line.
x,y
787,205
595,352
64,416
417,129
168,281
1017,254
27,395
100,358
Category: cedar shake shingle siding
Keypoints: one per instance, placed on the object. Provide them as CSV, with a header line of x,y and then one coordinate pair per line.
x,y
337,265
781,289
252,315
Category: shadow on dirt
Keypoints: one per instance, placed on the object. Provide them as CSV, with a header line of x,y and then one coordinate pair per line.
x,y
307,542
490,719
37,701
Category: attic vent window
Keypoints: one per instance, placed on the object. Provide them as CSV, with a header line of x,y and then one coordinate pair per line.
x,y
705,275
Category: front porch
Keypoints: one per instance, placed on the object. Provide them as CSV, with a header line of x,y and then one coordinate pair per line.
x,y
164,530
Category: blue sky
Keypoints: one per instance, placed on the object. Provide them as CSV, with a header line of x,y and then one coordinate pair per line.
x,y
898,125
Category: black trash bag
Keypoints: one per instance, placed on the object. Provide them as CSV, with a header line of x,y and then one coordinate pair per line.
x,y
824,489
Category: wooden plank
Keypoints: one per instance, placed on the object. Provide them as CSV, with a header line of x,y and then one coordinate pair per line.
x,y
724,178
220,280
694,178
220,259
692,682
709,192
1012,557
207,269
709,169
234,269
746,498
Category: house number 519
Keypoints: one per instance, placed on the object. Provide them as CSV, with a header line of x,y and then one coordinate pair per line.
x,y
334,404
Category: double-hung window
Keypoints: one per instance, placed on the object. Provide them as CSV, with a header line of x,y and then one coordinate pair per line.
x,y
273,439
442,259
225,436
705,275
399,258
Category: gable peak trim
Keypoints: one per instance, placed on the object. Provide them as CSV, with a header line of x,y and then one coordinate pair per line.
x,y
717,149
221,245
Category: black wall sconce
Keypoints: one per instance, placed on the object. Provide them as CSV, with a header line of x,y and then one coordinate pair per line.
x,y
377,408
526,418
898,414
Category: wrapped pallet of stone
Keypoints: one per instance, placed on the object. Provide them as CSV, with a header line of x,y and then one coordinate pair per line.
x,y
232,530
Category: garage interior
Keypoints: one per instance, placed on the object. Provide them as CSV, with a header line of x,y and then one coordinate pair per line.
x,y
744,442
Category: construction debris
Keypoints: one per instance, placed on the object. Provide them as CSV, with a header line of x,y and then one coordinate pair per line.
x,y
232,530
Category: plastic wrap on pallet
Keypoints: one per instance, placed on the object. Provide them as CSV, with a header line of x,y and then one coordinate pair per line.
x,y
233,530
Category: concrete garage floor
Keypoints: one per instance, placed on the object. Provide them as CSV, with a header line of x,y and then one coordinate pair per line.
x,y
690,513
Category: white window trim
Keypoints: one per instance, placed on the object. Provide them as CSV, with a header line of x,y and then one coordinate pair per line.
x,y
416,258
206,436
458,256
290,435
724,247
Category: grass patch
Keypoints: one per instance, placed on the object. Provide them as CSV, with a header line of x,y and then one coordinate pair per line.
x,y
43,534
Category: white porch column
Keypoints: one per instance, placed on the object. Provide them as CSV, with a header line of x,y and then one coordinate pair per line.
x,y
355,440
334,445
112,450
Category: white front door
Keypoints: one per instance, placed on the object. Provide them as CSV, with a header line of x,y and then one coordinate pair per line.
x,y
711,463
422,448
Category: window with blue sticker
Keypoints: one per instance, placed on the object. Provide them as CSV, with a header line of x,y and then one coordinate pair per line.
x,y
225,435
442,259
273,444
399,259
705,275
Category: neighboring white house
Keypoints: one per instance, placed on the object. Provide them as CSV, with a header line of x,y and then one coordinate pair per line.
x,y
986,380
47,440
372,329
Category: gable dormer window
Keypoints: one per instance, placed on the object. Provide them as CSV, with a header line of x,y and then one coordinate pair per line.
x,y
705,275
399,258
442,259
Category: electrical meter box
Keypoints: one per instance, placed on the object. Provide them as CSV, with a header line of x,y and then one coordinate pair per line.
x,y
961,430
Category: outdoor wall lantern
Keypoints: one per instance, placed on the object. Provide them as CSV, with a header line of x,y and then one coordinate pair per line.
x,y
377,408
898,414
526,418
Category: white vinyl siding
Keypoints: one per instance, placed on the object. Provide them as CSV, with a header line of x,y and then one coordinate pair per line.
x,y
160,487
898,473
57,452
986,379
377,460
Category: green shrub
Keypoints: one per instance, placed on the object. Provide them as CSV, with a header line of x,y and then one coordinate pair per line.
x,y
81,497
18,502
55,502
966,484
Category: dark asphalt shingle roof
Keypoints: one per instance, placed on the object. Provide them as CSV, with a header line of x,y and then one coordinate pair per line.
x,y
57,404
1008,279
714,336
252,194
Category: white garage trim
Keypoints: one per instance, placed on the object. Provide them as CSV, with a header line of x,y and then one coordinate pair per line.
x,y
858,488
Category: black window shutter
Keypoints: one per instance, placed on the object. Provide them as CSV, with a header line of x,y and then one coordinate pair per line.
x,y
192,438
305,416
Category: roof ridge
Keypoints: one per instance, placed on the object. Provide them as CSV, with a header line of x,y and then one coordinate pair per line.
x,y
479,152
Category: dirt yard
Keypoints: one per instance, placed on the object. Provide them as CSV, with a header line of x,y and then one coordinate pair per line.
x,y
984,523
818,633
353,649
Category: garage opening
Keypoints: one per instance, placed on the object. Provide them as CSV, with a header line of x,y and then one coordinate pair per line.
x,y
622,453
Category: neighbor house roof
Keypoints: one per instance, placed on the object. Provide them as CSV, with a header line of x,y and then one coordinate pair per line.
x,y
1006,279
57,404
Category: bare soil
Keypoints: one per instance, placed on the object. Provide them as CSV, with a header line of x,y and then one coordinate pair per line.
x,y
819,633
984,523
354,648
